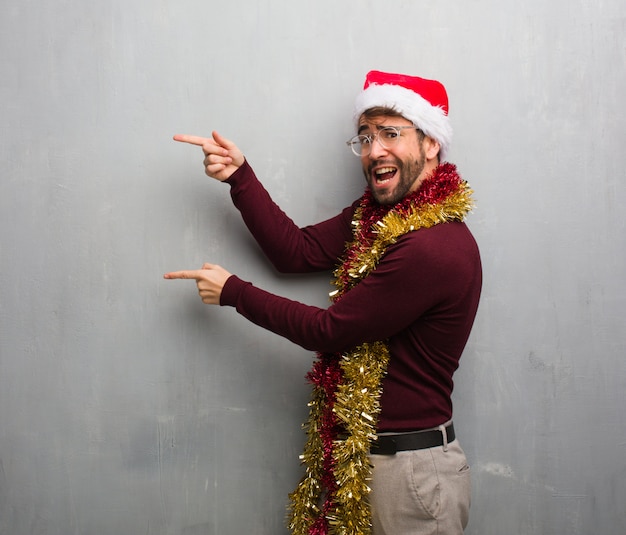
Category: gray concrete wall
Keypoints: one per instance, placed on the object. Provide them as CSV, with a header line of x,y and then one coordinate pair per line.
x,y
127,406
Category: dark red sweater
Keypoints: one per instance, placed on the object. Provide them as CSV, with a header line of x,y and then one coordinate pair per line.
x,y
422,298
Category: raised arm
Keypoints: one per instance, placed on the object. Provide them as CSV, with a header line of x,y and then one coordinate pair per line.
x,y
291,249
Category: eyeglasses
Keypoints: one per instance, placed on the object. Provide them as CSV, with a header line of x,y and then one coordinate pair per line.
x,y
387,136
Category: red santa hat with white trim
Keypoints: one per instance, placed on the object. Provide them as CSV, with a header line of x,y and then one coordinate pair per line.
x,y
421,101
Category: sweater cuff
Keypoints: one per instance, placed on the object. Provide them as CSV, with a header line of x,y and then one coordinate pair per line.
x,y
240,173
232,290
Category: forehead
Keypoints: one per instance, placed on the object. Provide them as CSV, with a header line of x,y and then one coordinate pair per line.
x,y
378,121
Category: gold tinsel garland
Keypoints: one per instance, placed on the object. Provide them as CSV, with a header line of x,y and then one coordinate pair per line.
x,y
356,405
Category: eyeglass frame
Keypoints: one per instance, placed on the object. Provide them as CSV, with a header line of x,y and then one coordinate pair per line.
x,y
359,138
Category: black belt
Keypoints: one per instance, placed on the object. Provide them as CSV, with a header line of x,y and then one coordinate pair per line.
x,y
419,440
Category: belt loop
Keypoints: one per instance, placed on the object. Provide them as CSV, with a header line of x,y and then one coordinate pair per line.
x,y
442,428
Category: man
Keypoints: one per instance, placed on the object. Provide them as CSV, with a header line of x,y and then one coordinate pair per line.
x,y
381,454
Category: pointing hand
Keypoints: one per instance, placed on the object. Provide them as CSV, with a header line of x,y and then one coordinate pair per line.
x,y
221,156
210,280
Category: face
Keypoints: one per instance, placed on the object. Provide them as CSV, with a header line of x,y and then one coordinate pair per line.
x,y
392,173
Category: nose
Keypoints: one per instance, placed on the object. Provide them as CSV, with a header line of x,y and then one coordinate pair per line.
x,y
376,149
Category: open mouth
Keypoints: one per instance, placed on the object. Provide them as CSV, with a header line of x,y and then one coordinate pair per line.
x,y
382,175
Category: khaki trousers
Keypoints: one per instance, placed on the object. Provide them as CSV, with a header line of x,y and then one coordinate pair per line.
x,y
421,492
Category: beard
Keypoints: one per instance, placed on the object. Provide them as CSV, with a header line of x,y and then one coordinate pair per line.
x,y
409,172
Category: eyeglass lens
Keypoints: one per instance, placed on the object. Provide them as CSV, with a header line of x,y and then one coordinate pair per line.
x,y
387,137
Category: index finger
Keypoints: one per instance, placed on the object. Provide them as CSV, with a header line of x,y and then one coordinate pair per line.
x,y
189,274
193,140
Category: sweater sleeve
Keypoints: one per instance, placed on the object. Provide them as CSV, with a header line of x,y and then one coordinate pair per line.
x,y
421,276
290,249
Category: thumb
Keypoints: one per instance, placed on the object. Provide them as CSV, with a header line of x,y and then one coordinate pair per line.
x,y
222,141
233,151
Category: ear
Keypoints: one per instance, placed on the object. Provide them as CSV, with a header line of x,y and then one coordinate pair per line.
x,y
431,148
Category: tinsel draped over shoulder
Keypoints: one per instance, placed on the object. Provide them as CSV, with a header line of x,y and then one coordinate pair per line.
x,y
331,498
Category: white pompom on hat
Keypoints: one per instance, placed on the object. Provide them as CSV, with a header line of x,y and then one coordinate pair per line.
x,y
421,101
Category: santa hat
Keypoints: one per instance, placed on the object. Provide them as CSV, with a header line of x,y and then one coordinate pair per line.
x,y
423,102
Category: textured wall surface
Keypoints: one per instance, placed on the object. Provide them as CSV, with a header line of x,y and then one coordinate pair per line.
x,y
127,406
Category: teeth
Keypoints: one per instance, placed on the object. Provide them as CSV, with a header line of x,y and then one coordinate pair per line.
x,y
384,170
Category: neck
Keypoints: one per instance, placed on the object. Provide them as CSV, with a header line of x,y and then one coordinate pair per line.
x,y
429,169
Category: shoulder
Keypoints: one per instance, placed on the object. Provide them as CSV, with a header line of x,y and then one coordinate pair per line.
x,y
441,237
449,246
